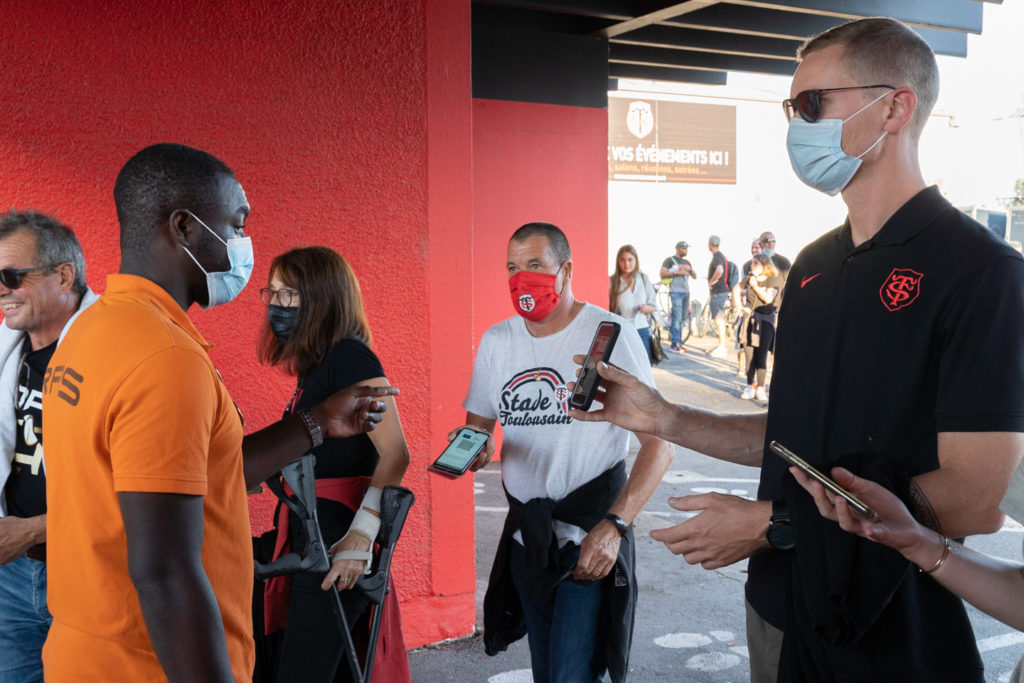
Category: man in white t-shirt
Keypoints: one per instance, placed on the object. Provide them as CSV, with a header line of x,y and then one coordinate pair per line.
x,y
564,570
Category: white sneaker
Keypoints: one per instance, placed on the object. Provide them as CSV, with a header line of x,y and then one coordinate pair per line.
x,y
761,394
719,352
748,393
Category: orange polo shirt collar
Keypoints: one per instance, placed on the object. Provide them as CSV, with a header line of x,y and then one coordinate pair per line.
x,y
133,284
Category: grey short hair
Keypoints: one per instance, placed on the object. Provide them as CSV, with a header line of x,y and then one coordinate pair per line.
x,y
55,242
883,50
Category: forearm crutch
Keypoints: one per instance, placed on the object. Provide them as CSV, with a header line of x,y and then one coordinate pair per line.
x,y
395,504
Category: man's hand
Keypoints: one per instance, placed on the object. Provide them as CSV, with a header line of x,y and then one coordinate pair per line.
x,y
627,402
351,411
18,534
598,552
486,454
728,529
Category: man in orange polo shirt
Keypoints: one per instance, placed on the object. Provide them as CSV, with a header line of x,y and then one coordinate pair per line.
x,y
150,556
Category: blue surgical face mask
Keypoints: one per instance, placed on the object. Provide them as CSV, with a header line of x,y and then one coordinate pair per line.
x,y
224,286
816,152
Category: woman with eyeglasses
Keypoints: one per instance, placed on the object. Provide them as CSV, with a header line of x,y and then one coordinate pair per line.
x,y
316,330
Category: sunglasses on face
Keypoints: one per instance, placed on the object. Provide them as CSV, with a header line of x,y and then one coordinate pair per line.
x,y
11,277
807,103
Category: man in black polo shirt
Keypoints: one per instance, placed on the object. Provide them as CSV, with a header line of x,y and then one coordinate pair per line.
x,y
890,360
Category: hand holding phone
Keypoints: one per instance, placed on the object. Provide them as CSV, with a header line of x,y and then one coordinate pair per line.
x,y
460,453
600,350
826,481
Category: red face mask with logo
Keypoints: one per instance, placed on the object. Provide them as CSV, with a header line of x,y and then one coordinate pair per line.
x,y
533,294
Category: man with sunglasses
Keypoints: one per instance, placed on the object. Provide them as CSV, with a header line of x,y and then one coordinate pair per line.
x,y
42,288
767,243
890,361
150,555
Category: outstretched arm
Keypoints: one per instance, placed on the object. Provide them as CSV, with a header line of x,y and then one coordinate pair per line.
x,y
631,404
352,410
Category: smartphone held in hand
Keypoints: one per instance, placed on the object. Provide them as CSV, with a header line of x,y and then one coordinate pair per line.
x,y
826,481
600,350
460,453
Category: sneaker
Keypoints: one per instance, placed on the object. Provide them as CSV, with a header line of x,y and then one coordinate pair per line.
x,y
679,349
748,393
761,394
741,372
674,348
719,352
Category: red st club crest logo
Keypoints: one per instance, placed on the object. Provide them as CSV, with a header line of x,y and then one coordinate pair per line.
x,y
526,303
900,288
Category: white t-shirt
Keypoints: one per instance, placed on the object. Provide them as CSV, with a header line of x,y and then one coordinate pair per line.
x,y
519,380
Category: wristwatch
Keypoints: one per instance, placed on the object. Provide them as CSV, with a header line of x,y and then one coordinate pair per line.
x,y
780,531
316,434
619,523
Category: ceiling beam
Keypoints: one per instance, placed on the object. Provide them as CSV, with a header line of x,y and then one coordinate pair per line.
x,y
669,12
711,41
704,61
654,73
957,15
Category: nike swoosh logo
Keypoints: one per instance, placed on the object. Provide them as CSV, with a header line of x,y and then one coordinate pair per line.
x,y
808,279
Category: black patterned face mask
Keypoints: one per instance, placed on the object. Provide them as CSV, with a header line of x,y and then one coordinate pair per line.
x,y
282,320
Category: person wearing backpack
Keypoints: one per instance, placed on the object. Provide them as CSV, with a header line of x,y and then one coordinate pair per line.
x,y
722,277
674,272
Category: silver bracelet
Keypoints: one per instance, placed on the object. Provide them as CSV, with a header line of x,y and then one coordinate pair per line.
x,y
315,433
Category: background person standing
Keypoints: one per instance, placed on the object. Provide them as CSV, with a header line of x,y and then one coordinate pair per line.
x,y
676,269
631,294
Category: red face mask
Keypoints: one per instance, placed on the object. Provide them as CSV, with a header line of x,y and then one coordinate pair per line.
x,y
533,294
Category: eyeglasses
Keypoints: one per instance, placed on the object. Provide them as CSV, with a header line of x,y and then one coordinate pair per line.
x,y
807,103
11,277
285,297
768,241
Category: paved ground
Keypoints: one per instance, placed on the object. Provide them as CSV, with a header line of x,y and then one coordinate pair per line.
x,y
689,623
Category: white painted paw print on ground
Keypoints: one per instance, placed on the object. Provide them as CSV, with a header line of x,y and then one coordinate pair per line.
x,y
714,660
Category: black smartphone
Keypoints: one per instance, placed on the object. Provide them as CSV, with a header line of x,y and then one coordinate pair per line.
x,y
588,381
460,453
826,481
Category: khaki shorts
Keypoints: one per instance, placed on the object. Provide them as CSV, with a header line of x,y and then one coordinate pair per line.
x,y
764,643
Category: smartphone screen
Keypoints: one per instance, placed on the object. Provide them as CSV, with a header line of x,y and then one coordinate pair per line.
x,y
461,452
600,349
826,481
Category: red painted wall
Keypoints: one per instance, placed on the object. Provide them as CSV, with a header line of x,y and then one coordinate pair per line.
x,y
348,124
537,162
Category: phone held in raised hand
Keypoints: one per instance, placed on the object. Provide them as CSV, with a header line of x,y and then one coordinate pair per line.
x,y
600,350
460,453
826,481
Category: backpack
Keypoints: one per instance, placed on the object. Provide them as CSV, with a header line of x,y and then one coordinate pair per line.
x,y
732,274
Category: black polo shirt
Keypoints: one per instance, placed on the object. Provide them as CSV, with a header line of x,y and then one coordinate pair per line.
x,y
882,346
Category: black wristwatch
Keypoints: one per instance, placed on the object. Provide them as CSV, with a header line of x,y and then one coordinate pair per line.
x,y
619,523
780,531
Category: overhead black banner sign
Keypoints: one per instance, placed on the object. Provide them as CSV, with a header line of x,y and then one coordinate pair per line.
x,y
681,142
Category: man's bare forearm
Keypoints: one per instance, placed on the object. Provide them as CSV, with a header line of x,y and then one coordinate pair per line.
x,y
737,439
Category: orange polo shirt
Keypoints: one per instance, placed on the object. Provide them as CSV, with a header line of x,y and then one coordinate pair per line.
x,y
133,403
